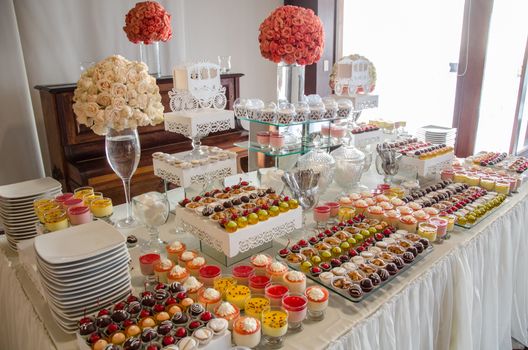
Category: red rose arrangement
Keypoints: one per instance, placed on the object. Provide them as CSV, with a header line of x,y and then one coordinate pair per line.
x,y
292,34
147,22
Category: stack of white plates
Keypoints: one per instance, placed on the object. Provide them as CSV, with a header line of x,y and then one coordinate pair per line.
x,y
83,269
437,134
16,207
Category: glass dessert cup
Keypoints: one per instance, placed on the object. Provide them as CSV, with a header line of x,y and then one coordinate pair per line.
x,y
321,215
246,331
152,210
274,326
296,305
146,264
317,297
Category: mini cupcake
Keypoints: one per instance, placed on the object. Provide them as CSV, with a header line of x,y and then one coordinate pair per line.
x,y
162,268
195,264
381,198
185,257
370,201
375,212
275,271
420,216
397,202
405,210
408,222
192,285
228,312
414,206
392,217
354,196
177,274
210,298
345,202
360,206
386,206
366,194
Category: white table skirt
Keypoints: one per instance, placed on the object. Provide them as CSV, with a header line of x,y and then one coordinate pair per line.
x,y
470,293
475,297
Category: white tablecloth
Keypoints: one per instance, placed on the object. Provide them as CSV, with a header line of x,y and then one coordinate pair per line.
x,y
470,293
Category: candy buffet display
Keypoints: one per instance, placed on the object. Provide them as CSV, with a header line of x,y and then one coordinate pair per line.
x,y
355,257
70,209
502,161
231,220
214,164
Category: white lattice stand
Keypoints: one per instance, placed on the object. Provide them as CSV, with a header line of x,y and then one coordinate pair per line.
x,y
199,123
201,174
428,167
243,240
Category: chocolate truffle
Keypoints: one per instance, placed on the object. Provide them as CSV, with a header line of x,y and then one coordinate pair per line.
x,y
392,268
148,335
180,318
413,251
425,242
366,285
419,247
375,278
383,274
408,257
196,309
399,262
355,291
165,327
132,344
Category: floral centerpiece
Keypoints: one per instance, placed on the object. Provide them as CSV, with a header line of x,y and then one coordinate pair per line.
x,y
117,94
113,98
147,24
292,34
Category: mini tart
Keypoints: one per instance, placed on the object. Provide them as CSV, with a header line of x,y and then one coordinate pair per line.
x,y
309,295
177,274
186,256
405,210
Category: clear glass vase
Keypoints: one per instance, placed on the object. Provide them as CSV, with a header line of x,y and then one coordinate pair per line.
x,y
320,161
290,82
149,54
122,153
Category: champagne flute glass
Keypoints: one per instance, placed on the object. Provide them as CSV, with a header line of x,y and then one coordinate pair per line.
x,y
122,153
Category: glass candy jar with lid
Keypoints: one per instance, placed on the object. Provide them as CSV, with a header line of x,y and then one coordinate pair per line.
x,y
319,161
349,163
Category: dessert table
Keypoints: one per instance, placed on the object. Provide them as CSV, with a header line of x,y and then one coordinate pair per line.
x,y
471,292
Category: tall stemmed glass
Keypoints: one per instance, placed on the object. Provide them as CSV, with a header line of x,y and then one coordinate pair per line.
x,y
122,153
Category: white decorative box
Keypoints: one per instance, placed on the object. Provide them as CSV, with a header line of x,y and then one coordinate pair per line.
x,y
360,101
201,174
367,138
427,167
199,123
243,239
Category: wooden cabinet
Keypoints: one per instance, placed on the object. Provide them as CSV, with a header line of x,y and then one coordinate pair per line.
x,y
78,155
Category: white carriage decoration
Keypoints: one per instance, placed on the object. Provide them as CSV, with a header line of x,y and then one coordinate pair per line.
x,y
197,86
353,75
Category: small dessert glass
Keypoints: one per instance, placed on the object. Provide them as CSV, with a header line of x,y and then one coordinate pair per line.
x,y
317,308
258,283
276,142
334,210
83,191
296,305
55,220
263,139
274,326
321,215
275,293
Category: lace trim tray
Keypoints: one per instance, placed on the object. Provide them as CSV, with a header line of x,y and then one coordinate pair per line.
x,y
244,239
367,138
426,167
199,123
201,174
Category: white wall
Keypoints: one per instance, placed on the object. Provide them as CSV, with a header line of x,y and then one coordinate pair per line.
x,y
230,27
57,35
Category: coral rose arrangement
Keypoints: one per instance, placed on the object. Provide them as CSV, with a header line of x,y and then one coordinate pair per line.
x,y
148,22
119,94
292,34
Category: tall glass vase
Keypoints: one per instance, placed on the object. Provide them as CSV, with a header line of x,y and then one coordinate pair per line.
x,y
290,82
122,153
149,54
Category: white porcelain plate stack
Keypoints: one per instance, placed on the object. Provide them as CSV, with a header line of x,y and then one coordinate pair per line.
x,y
437,134
82,269
16,207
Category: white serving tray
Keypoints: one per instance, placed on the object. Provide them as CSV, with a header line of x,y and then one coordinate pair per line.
x,y
244,239
199,123
367,138
201,174
428,167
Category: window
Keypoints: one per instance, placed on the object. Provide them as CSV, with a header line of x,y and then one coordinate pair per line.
x,y
415,46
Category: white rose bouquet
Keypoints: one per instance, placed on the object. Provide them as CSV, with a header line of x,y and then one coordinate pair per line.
x,y
117,94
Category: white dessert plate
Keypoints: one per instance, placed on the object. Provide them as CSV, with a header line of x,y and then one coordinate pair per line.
x,y
16,212
95,259
68,299
78,242
21,201
85,274
85,269
82,288
29,188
